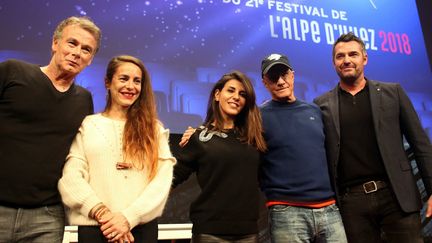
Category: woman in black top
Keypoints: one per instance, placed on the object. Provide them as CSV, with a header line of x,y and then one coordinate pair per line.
x,y
224,154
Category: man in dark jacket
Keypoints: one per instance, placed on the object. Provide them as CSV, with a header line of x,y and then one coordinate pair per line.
x,y
365,122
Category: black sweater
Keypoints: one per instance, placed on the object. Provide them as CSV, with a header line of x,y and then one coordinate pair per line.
x,y
226,171
37,126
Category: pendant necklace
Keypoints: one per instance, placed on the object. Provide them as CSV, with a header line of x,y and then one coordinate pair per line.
x,y
121,165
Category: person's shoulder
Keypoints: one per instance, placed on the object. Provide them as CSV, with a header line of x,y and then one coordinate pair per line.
x,y
16,62
93,118
310,105
306,106
90,122
321,98
327,93
162,130
81,90
19,64
201,130
384,85
265,105
194,143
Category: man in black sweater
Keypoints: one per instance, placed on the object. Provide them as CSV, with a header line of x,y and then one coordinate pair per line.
x,y
41,110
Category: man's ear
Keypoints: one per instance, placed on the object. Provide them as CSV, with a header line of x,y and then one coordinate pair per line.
x,y
365,59
91,60
54,45
264,82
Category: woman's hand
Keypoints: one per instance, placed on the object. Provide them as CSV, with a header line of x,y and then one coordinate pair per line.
x,y
128,238
114,226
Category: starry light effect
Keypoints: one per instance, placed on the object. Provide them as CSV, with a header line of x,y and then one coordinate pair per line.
x,y
185,36
160,31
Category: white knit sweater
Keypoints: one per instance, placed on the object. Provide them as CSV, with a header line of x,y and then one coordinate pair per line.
x,y
90,175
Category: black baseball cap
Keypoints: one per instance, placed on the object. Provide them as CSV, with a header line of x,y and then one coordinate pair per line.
x,y
274,59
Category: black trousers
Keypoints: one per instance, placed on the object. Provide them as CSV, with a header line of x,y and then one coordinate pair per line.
x,y
377,217
144,233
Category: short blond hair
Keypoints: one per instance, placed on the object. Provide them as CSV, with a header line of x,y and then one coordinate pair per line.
x,y
83,22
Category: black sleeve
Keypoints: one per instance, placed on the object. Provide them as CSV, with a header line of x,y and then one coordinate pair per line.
x,y
417,138
187,160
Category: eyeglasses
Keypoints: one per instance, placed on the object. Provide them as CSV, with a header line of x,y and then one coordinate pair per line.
x,y
274,77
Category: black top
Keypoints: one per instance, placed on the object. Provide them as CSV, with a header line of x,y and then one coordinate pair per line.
x,y
360,159
37,126
226,171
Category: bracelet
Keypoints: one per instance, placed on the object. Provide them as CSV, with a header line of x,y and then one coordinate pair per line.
x,y
100,213
94,210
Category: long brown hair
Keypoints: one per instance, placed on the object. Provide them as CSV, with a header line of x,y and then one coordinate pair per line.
x,y
248,122
140,137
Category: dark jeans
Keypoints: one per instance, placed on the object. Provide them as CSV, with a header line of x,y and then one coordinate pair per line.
x,y
144,233
207,238
44,224
377,217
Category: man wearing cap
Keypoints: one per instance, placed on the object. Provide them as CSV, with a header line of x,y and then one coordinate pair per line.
x,y
294,174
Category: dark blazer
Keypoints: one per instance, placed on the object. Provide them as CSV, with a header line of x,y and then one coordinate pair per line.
x,y
393,116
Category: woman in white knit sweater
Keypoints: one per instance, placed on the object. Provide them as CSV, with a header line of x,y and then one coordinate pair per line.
x,y
118,173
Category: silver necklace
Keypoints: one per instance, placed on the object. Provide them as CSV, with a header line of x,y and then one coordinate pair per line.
x,y
204,136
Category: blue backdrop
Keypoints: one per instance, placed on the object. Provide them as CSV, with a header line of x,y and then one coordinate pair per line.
x,y
188,45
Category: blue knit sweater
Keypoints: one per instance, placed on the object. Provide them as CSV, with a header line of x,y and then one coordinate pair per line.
x,y
295,167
